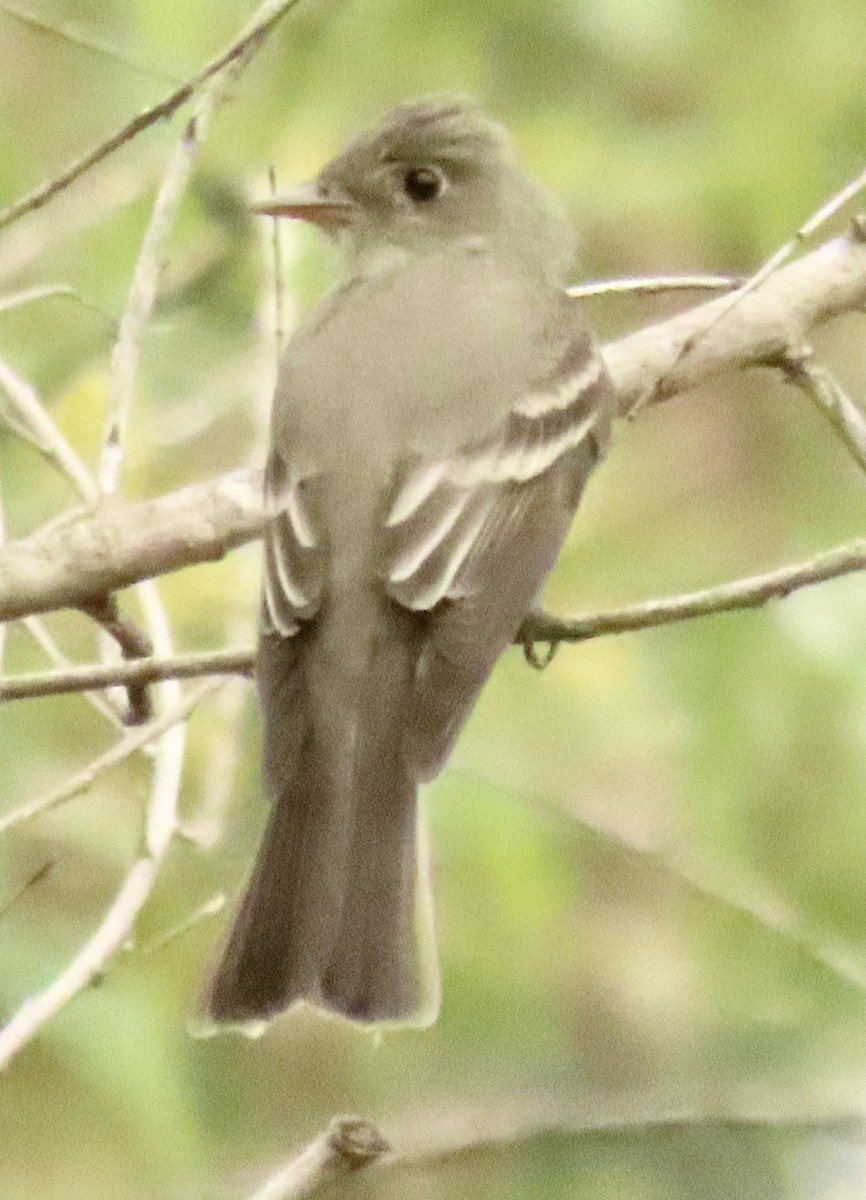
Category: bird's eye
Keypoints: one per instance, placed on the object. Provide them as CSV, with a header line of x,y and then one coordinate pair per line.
x,y
422,184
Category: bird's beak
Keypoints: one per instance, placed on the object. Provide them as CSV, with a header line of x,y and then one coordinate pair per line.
x,y
308,202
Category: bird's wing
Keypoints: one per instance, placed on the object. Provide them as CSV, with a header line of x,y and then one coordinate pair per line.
x,y
295,555
470,538
466,539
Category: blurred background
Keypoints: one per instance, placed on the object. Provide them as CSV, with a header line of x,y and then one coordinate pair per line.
x,y
650,859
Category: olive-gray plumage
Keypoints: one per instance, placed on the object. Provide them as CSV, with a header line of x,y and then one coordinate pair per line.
x,y
434,423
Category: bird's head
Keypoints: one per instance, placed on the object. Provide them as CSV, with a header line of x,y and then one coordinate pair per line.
x,y
436,172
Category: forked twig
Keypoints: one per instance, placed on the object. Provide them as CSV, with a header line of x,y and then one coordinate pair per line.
x,y
261,26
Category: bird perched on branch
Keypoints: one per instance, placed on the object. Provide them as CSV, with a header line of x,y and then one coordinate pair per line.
x,y
434,424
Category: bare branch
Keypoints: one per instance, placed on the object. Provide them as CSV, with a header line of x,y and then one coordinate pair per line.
x,y
751,592
348,1144
140,670
145,279
269,15
73,562
36,628
776,260
133,644
127,746
161,822
66,31
114,929
830,399
44,433
654,284
765,323
431,1138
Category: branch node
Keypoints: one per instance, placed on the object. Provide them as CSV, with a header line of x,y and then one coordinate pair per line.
x,y
827,394
356,1141
133,643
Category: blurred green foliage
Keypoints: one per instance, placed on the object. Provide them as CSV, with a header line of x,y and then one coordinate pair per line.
x,y
608,830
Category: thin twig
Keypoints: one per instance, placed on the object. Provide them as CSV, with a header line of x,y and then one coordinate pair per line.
x,y
115,926
143,288
216,782
161,823
51,291
776,260
653,284
277,267
267,18
752,591
348,1144
748,895
430,1139
38,875
648,365
133,644
117,922
123,674
209,908
127,746
45,432
36,628
831,400
67,32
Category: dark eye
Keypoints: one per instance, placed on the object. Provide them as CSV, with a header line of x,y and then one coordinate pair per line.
x,y
422,184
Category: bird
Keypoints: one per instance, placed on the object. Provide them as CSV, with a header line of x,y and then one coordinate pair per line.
x,y
435,420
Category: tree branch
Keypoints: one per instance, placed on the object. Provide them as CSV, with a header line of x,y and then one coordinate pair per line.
x,y
428,1139
121,750
830,399
72,562
160,825
348,1144
162,110
750,592
762,326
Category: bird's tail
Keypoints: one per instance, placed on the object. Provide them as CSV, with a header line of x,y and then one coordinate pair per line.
x,y
338,909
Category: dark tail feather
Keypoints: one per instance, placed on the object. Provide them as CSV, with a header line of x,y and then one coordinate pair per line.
x,y
273,952
337,911
383,964
373,973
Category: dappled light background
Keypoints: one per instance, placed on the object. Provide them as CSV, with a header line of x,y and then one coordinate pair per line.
x,y
649,859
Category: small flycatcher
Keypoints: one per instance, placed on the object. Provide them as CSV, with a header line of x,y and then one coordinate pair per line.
x,y
434,424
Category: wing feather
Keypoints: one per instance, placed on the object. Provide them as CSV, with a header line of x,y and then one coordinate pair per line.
x,y
440,510
470,539
293,578
465,540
